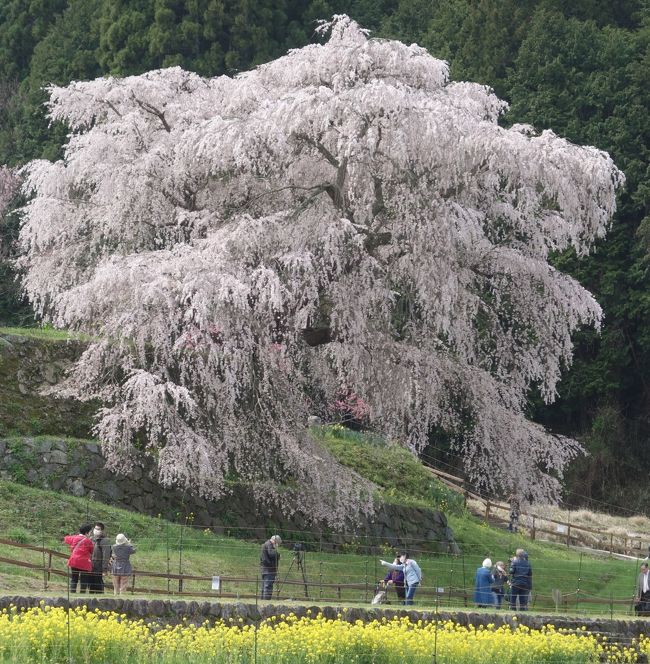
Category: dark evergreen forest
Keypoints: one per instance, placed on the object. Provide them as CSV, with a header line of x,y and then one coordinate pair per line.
x,y
580,68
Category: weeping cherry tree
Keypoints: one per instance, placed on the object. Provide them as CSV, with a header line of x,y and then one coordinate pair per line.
x,y
342,220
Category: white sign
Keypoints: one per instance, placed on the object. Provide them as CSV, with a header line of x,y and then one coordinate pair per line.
x,y
216,582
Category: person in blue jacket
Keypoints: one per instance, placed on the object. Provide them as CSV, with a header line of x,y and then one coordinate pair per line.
x,y
483,595
412,575
521,580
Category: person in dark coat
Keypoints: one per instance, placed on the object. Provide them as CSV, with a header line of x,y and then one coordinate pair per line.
x,y
500,579
483,595
269,561
513,499
521,580
100,558
395,578
80,563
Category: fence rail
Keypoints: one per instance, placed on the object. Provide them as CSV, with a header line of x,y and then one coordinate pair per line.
x,y
568,532
248,587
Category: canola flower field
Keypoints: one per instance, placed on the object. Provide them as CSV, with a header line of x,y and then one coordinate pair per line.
x,y
52,635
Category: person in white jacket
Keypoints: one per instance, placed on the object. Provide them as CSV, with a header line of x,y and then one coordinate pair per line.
x,y
412,574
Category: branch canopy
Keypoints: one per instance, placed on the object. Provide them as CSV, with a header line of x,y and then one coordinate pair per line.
x,y
198,229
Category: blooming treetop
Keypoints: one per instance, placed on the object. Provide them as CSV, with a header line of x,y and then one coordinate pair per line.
x,y
201,229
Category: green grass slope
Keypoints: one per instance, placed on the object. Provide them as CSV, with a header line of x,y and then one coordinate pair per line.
x,y
38,517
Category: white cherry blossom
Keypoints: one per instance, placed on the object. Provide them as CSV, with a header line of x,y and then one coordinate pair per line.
x,y
202,231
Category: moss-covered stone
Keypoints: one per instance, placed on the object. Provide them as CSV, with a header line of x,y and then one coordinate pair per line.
x,y
28,365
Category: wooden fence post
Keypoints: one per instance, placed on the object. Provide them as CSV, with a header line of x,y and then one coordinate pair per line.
x,y
487,511
532,531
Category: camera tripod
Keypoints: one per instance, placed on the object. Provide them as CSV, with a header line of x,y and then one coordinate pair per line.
x,y
298,559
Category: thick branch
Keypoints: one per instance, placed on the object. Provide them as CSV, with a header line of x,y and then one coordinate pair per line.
x,y
153,111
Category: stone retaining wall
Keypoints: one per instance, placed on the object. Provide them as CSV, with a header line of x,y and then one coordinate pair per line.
x,y
176,611
77,467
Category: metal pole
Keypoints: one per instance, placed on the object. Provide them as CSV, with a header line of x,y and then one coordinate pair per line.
x,y
578,583
451,580
464,586
366,574
180,557
320,579
435,633
45,572
168,562
67,614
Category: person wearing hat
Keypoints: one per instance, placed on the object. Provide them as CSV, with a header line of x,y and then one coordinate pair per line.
x,y
121,569
269,561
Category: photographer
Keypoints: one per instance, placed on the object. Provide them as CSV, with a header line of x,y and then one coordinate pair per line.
x,y
412,574
269,561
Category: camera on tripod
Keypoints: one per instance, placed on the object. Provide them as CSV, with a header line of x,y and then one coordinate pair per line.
x,y
298,559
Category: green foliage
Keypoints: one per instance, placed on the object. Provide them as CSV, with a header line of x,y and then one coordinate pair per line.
x,y
210,37
23,24
401,477
18,534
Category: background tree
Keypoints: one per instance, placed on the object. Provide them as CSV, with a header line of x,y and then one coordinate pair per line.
x,y
200,228
585,80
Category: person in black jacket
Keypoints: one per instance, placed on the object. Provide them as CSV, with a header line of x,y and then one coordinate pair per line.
x,y
500,579
521,580
269,560
100,558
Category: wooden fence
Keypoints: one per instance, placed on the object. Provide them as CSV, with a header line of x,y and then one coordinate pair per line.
x,y
242,587
564,531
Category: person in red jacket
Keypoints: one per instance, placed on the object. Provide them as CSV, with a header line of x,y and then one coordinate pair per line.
x,y
80,561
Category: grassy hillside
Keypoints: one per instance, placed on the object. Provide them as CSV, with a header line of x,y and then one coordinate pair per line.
x,y
40,517
401,477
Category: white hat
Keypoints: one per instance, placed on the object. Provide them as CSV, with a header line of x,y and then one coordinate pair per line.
x,y
487,563
121,539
